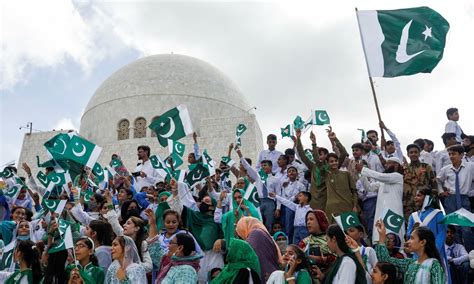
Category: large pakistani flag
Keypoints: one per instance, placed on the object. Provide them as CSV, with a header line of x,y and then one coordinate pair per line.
x,y
173,124
72,147
402,42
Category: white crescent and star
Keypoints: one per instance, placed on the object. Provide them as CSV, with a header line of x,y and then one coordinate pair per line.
x,y
80,153
322,117
64,146
402,56
349,218
389,221
171,131
43,179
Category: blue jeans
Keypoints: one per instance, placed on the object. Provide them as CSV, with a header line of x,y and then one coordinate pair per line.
x,y
267,209
368,210
464,235
287,219
301,232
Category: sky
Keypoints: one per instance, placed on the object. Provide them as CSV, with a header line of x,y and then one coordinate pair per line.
x,y
287,58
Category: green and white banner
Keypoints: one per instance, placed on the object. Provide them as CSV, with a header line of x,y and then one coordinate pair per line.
x,y
173,124
402,42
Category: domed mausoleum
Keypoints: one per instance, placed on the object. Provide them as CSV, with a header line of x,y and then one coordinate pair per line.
x,y
118,114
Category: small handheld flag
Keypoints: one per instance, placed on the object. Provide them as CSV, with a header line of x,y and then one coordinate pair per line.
x,y
393,221
347,220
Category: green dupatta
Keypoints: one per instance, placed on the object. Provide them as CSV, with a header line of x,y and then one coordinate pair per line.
x,y
240,256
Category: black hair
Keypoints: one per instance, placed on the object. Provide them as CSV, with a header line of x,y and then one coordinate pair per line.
x,y
420,142
248,160
456,148
447,136
388,269
451,111
90,245
269,162
357,146
285,157
389,142
187,242
372,131
124,210
424,233
99,198
271,137
452,228
332,155
335,231
300,254
290,152
103,230
212,271
292,167
410,146
429,142
55,270
322,149
307,194
145,148
50,169
129,192
31,256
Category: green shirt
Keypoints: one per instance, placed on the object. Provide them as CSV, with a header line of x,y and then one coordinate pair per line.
x,y
18,276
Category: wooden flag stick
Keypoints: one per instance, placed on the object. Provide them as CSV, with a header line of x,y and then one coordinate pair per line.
x,y
370,78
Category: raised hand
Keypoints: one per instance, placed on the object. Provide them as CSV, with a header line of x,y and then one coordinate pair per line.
x,y
298,133
312,137
26,168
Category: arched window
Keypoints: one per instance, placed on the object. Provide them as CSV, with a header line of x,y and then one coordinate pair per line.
x,y
140,128
153,133
123,129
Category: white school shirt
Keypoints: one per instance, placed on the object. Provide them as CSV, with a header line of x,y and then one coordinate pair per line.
x,y
442,160
447,178
453,127
374,162
300,211
290,191
269,155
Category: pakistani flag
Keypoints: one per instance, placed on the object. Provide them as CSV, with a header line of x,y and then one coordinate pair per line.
x,y
197,172
13,191
251,193
173,124
179,175
461,217
42,178
320,117
160,166
65,242
74,148
98,171
209,162
116,163
176,147
363,135
287,131
59,181
402,42
176,160
87,195
54,205
393,221
6,173
298,123
347,220
238,133
309,154
227,161
7,257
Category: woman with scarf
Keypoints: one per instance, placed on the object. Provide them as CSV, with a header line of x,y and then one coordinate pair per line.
x,y
281,240
27,256
426,268
87,270
242,264
134,227
347,268
240,208
255,233
315,245
127,267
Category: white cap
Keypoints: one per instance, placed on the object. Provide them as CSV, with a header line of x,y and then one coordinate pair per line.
x,y
394,159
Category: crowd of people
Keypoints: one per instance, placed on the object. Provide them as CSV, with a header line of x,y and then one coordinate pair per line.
x,y
274,220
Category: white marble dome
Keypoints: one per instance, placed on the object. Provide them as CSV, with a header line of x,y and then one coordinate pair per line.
x,y
146,88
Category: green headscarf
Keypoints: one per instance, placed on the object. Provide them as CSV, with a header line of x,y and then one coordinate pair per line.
x,y
228,219
240,255
204,229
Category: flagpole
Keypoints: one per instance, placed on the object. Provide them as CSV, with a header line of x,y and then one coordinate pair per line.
x,y
370,77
